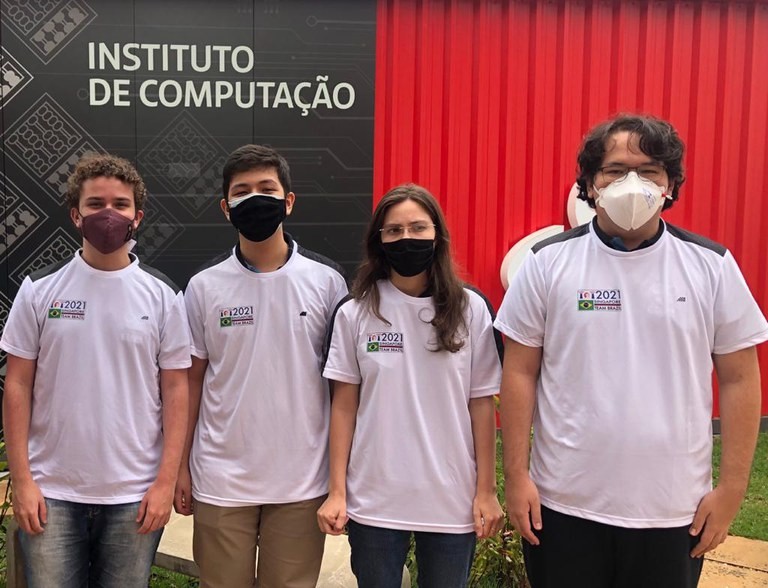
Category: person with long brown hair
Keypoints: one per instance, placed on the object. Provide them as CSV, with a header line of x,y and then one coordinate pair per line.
x,y
414,364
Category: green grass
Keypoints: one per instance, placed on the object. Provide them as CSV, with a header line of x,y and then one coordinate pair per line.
x,y
161,578
752,520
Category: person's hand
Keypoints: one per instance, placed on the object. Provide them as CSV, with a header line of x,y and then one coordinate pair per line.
x,y
487,515
713,517
29,507
155,507
182,499
523,506
332,515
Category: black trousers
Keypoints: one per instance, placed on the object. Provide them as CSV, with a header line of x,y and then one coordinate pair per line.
x,y
578,553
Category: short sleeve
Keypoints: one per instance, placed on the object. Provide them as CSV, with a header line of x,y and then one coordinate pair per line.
x,y
196,321
738,321
523,313
339,291
485,378
21,335
341,357
174,338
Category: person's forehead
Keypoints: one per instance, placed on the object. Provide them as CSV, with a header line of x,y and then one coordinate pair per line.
x,y
624,146
260,175
406,211
106,186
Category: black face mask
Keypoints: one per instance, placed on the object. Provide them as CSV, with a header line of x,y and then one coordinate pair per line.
x,y
257,217
409,257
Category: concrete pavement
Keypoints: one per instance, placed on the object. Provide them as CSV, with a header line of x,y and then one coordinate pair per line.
x,y
737,563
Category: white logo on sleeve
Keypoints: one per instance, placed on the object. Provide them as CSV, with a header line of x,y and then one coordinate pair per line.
x,y
384,343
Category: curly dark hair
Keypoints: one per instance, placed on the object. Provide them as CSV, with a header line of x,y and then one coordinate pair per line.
x,y
250,157
657,139
446,289
98,165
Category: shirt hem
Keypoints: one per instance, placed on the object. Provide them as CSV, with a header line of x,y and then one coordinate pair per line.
x,y
239,502
331,374
515,336
178,365
199,353
13,350
615,520
484,392
130,499
411,526
755,339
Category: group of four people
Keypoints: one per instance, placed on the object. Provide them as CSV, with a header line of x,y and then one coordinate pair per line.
x,y
124,398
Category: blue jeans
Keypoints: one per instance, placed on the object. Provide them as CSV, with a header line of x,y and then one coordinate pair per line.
x,y
378,556
89,546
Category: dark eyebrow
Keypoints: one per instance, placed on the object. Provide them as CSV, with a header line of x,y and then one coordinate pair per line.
x,y
650,162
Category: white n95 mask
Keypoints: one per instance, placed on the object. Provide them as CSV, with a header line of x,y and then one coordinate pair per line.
x,y
631,201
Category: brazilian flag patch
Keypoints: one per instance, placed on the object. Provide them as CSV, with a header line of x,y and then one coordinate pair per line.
x,y
373,346
54,313
225,321
586,305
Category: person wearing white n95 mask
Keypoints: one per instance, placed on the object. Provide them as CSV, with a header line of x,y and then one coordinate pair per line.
x,y
632,200
613,330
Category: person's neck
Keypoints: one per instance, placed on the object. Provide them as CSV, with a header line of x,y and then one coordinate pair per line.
x,y
268,255
108,262
414,286
634,238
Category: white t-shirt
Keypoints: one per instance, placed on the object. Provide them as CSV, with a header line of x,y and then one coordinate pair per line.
x,y
622,427
100,339
412,462
262,433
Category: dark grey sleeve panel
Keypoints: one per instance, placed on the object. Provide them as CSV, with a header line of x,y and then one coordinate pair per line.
x,y
329,334
580,231
497,337
322,259
49,269
684,235
211,262
155,273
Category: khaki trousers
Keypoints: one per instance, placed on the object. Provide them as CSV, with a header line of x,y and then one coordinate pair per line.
x,y
289,542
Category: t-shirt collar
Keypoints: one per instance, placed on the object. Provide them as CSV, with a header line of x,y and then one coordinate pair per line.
x,y
618,244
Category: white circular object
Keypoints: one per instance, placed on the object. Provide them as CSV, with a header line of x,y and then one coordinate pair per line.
x,y
516,254
579,211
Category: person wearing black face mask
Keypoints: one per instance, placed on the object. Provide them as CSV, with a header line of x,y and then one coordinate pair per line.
x,y
412,351
258,317
256,216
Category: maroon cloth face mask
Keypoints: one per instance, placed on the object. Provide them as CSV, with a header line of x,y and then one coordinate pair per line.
x,y
107,230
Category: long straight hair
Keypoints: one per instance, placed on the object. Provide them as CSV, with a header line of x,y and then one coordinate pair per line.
x,y
446,289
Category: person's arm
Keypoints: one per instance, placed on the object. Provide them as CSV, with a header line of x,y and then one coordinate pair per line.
x,y
28,502
518,399
486,510
155,508
332,515
738,375
182,501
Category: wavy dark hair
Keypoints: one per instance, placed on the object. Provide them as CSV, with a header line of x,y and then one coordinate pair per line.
x,y
657,139
446,289
97,165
